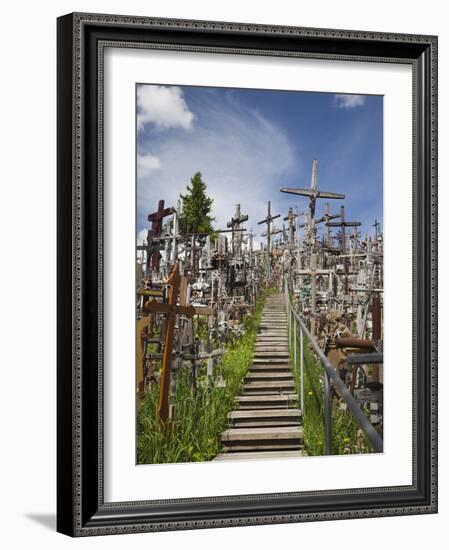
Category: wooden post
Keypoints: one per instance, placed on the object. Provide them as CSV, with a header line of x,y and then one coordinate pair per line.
x,y
313,294
377,331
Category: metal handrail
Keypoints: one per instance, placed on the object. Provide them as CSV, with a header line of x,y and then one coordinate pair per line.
x,y
331,373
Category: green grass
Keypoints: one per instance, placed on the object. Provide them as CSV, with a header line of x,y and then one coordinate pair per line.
x,y
346,436
200,415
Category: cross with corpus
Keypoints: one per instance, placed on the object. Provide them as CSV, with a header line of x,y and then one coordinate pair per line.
x,y
268,220
234,224
327,217
171,309
376,226
343,224
290,217
156,219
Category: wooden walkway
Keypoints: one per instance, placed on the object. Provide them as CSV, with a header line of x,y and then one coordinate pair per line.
x,y
267,421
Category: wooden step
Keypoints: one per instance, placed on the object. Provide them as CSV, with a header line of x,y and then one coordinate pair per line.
x,y
269,386
273,360
272,340
277,318
266,438
266,375
272,353
271,348
264,418
276,401
264,368
285,413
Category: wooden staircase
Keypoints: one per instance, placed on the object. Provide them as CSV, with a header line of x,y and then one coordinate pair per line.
x,y
267,420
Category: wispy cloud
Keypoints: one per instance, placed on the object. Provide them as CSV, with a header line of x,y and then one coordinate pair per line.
x,y
147,164
163,106
349,101
242,156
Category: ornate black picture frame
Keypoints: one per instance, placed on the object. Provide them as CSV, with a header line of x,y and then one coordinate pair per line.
x,y
81,509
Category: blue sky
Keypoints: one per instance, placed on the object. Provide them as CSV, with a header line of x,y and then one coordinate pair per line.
x,y
249,143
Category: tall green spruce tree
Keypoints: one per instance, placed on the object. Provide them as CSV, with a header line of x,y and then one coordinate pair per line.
x,y
196,208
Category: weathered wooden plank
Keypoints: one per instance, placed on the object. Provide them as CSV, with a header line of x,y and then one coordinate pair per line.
x,y
271,353
291,413
262,434
269,361
278,385
261,375
269,367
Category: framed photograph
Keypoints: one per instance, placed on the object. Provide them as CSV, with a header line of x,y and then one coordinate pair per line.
x,y
247,278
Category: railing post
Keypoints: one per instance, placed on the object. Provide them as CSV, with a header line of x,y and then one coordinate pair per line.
x,y
289,325
294,342
301,367
327,415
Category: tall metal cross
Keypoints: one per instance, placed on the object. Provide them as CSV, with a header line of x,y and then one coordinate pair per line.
x,y
268,220
156,219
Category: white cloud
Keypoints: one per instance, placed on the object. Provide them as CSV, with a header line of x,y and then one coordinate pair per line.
x,y
147,164
349,101
162,106
243,157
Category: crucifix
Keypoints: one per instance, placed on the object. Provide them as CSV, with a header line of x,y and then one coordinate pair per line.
x,y
376,226
313,193
234,224
290,217
327,217
156,219
268,220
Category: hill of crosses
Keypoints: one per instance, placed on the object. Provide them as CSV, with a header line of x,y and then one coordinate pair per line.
x,y
258,335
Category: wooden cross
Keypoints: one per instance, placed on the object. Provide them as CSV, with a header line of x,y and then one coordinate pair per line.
x,y
327,217
171,309
156,219
313,272
313,193
343,224
268,220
